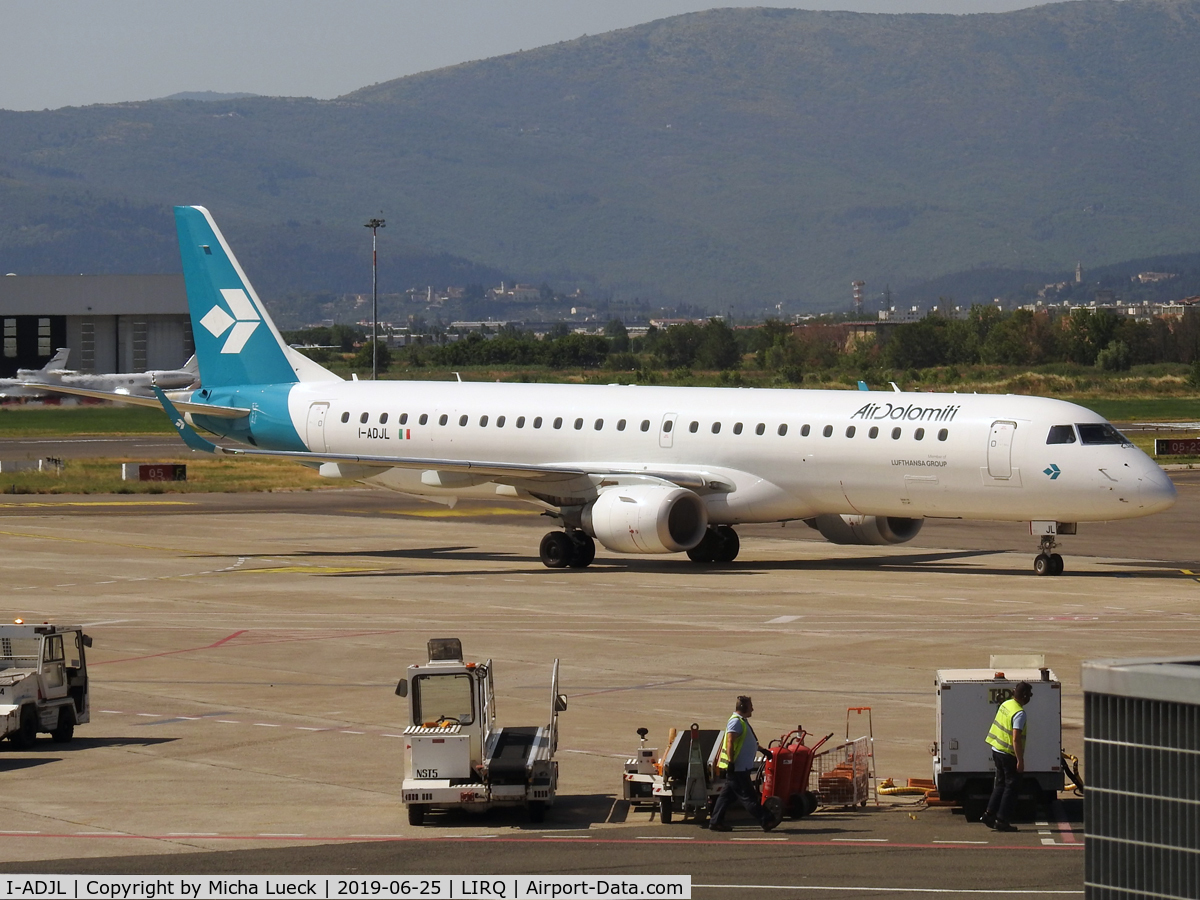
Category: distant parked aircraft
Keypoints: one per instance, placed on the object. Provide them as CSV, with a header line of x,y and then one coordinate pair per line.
x,y
32,383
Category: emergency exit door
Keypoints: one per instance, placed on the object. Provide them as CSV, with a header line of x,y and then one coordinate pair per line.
x,y
999,454
316,427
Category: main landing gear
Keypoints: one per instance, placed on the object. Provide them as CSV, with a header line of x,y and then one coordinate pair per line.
x,y
719,544
1047,562
563,549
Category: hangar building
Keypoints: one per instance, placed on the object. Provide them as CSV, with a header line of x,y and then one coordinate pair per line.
x,y
110,323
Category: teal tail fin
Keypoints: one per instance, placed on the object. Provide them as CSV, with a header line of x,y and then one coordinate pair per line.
x,y
236,341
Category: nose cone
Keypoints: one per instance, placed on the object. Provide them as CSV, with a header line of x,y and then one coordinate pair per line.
x,y
1155,490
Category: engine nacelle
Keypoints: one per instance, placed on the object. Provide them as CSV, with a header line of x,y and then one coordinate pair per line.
x,y
866,529
646,518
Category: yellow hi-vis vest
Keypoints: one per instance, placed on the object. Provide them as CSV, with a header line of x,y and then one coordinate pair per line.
x,y
724,760
1000,737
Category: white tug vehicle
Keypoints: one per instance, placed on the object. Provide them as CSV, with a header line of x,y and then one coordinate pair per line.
x,y
456,756
43,682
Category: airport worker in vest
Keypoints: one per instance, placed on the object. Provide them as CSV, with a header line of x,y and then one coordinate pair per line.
x,y
1007,740
738,749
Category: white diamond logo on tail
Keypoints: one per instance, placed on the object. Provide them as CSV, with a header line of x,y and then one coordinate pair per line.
x,y
245,320
216,320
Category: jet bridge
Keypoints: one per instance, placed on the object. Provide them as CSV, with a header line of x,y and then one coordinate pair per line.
x,y
456,756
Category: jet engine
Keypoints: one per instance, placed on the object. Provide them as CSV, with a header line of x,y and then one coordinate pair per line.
x,y
646,518
866,529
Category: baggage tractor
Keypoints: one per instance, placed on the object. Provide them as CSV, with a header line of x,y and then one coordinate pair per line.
x,y
786,773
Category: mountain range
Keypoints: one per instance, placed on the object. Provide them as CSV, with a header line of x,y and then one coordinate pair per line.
x,y
730,158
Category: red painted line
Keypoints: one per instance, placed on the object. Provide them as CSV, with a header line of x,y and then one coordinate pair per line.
x,y
223,640
534,838
1065,831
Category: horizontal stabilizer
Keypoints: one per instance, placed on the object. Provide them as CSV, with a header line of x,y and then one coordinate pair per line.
x,y
203,409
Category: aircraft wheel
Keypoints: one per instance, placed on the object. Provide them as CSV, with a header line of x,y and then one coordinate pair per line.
x,y
584,550
556,550
1041,564
416,814
706,550
728,544
1056,561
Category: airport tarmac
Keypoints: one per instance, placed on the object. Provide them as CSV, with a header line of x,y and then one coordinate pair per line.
x,y
246,648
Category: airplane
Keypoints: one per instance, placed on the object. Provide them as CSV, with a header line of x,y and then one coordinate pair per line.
x,y
32,383
644,469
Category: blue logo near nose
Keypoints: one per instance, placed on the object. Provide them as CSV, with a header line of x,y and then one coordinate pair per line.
x,y
1053,471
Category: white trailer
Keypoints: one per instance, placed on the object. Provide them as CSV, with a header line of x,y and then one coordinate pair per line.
x,y
967,700
43,682
456,756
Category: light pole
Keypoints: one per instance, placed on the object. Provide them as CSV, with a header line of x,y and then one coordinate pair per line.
x,y
374,225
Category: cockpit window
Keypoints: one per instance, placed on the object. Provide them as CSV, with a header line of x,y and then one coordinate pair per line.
x,y
1061,434
1091,433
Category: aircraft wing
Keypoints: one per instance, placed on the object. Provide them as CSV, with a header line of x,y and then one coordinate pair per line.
x,y
204,409
538,471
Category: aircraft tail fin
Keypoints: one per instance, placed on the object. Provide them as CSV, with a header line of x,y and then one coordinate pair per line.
x,y
58,360
236,341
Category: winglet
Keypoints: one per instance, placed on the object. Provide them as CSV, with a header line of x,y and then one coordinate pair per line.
x,y
862,386
186,431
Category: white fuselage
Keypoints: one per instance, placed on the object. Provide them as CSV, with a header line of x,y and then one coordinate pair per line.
x,y
786,454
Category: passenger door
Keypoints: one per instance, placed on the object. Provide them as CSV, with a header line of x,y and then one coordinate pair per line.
x,y
317,414
999,453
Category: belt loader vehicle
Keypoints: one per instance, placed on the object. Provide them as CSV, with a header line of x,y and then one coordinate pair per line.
x,y
456,757
43,682
967,701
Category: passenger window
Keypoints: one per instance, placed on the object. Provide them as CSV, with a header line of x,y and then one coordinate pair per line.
x,y
943,434
424,418
403,418
499,421
919,434
345,417
599,424
520,421
667,425
716,427
827,431
805,430
444,419
895,434
849,431
760,428
694,427
645,424
737,427
782,430
537,423
873,433
558,422
620,425
1061,434
383,418
462,420
483,421
578,424
363,418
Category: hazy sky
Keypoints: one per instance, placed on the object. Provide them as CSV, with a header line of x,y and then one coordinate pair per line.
x,y
74,52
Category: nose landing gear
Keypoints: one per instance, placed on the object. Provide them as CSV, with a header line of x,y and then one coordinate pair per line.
x,y
1047,562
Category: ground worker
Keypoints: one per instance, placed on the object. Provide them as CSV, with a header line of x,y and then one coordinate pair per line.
x,y
736,762
1007,740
